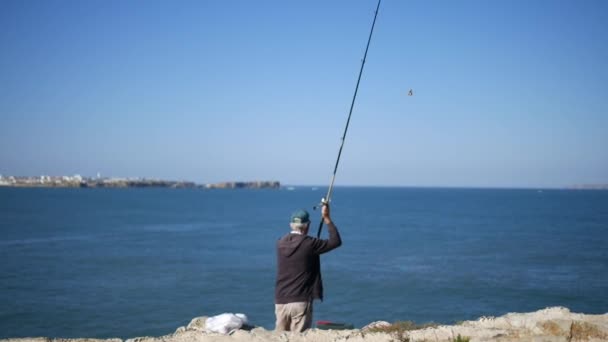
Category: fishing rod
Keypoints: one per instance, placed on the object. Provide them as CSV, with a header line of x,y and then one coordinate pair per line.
x,y
327,198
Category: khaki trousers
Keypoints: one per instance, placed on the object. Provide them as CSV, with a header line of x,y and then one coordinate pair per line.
x,y
295,317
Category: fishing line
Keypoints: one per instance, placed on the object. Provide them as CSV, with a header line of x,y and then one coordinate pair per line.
x,y
327,198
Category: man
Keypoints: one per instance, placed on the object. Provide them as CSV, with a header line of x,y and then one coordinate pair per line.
x,y
299,271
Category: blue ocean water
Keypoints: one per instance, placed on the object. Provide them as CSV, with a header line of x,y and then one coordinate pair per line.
x,y
134,262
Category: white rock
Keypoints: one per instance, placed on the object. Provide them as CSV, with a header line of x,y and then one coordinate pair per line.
x,y
197,323
376,324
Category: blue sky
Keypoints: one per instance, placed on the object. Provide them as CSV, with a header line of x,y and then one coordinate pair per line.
x,y
506,93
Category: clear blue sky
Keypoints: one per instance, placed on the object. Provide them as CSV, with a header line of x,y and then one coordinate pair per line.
x,y
506,93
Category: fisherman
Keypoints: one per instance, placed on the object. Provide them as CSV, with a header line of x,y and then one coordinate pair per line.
x,y
299,271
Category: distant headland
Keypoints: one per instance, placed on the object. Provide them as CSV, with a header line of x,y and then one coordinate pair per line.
x,y
78,181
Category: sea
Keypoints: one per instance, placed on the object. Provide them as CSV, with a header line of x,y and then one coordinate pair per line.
x,y
142,262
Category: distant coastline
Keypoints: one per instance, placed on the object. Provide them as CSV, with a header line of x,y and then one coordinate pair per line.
x,y
589,187
78,181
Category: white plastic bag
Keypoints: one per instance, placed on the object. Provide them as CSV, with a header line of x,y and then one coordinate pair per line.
x,y
225,323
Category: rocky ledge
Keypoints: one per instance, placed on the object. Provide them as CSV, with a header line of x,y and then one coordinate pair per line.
x,y
551,324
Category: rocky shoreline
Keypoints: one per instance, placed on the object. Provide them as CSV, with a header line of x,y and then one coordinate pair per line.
x,y
551,324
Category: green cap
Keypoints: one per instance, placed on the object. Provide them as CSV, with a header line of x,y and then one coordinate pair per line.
x,y
300,216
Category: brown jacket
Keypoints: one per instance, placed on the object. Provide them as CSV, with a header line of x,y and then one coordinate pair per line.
x,y
299,266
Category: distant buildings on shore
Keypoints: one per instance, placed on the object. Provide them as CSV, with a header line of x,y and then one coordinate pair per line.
x,y
78,181
245,185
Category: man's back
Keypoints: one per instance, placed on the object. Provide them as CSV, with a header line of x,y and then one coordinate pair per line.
x,y
298,266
